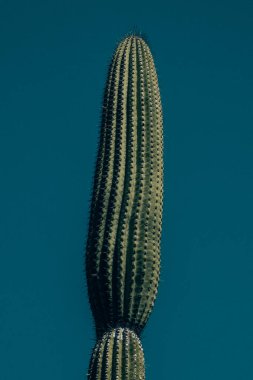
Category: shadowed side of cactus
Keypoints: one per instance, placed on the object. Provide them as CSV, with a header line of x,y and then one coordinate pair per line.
x,y
123,245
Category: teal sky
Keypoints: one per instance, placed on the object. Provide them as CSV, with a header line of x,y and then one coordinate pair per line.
x,y
54,57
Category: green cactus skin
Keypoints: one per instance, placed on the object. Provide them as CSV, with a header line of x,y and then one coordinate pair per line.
x,y
117,355
123,244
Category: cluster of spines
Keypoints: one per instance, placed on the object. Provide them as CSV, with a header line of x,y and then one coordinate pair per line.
x,y
117,355
123,245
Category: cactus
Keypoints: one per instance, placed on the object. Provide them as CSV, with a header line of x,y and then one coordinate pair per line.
x,y
123,244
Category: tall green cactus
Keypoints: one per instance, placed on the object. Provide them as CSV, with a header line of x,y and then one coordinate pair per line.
x,y
123,245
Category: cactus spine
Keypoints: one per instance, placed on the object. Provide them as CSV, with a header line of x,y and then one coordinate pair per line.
x,y
123,244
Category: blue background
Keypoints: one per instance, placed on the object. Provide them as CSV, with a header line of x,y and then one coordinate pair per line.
x,y
54,57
